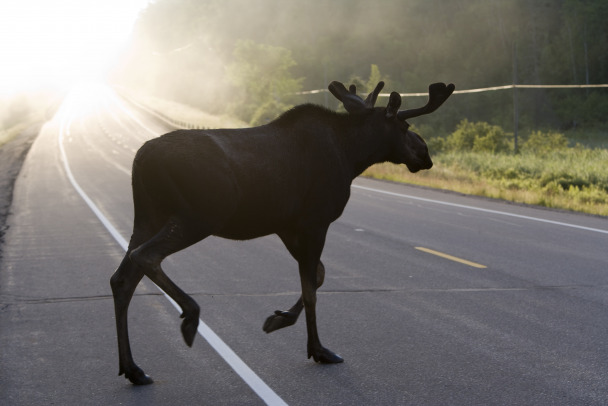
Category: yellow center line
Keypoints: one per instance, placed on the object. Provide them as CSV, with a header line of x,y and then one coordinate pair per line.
x,y
450,257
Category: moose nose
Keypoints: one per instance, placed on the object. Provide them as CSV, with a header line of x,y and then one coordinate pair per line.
x,y
429,163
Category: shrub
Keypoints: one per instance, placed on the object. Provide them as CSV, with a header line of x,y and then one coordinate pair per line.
x,y
436,144
544,142
478,137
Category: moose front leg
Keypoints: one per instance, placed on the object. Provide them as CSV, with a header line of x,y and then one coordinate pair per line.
x,y
282,318
308,259
309,298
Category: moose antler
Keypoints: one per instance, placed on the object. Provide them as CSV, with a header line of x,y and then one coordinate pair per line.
x,y
352,102
438,93
370,101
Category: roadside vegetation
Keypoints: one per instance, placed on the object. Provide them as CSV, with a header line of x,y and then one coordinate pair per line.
x,y
255,64
21,110
478,159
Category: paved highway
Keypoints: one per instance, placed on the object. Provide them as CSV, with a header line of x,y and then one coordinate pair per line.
x,y
432,298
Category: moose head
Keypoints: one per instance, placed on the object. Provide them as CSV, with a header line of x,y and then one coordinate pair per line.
x,y
408,147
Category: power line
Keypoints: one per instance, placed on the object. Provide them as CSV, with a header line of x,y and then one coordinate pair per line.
x,y
478,90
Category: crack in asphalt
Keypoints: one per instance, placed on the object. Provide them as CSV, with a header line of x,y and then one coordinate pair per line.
x,y
8,300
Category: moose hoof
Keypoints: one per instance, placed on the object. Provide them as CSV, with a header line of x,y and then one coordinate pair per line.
x,y
139,377
325,356
279,320
189,328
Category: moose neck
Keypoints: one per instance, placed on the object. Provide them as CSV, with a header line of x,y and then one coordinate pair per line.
x,y
363,143
356,139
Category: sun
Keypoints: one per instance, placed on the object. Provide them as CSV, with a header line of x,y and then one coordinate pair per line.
x,y
61,42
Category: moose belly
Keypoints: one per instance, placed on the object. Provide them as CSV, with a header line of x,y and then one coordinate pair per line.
x,y
248,224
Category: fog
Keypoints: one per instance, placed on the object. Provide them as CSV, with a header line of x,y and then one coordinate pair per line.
x,y
253,59
192,51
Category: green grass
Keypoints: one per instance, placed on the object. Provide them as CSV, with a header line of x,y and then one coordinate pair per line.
x,y
572,179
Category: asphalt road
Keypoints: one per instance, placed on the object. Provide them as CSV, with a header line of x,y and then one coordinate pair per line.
x,y
432,298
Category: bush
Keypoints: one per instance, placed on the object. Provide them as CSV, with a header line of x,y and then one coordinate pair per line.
x,y
564,180
478,137
436,144
544,142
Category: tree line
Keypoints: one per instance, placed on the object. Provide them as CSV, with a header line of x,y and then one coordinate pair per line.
x,y
251,59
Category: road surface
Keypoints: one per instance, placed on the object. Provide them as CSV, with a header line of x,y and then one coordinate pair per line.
x,y
432,298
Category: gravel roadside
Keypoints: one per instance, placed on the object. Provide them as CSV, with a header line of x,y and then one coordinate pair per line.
x,y
12,155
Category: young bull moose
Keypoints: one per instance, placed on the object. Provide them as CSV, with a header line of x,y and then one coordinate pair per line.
x,y
291,177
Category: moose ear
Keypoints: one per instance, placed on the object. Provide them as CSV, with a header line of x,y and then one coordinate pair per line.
x,y
394,102
352,102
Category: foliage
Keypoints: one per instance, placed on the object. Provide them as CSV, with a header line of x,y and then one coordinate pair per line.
x,y
374,78
478,137
546,172
570,178
268,112
366,86
261,75
541,142
180,49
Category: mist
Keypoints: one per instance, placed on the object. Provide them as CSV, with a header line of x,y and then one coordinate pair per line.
x,y
192,51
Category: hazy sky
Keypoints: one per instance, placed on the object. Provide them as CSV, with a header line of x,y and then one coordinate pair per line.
x,y
61,42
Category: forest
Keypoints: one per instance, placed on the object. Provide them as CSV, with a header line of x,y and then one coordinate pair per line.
x,y
251,59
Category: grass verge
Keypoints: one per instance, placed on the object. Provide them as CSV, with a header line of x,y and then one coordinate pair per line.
x,y
574,179
10,133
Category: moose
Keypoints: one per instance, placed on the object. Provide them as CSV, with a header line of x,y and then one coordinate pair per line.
x,y
290,177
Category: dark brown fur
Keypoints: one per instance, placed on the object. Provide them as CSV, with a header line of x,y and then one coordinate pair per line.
x,y
290,177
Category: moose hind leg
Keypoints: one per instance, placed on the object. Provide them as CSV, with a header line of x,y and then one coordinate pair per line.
x,y
286,318
173,237
123,283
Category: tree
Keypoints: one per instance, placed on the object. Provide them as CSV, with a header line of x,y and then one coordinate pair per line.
x,y
264,84
374,78
182,47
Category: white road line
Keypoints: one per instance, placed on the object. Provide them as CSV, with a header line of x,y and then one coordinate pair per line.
x,y
462,206
119,238
232,359
120,104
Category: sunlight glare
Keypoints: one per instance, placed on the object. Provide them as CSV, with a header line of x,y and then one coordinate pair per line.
x,y
61,42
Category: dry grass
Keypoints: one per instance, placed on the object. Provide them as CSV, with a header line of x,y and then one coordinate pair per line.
x,y
10,133
523,186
